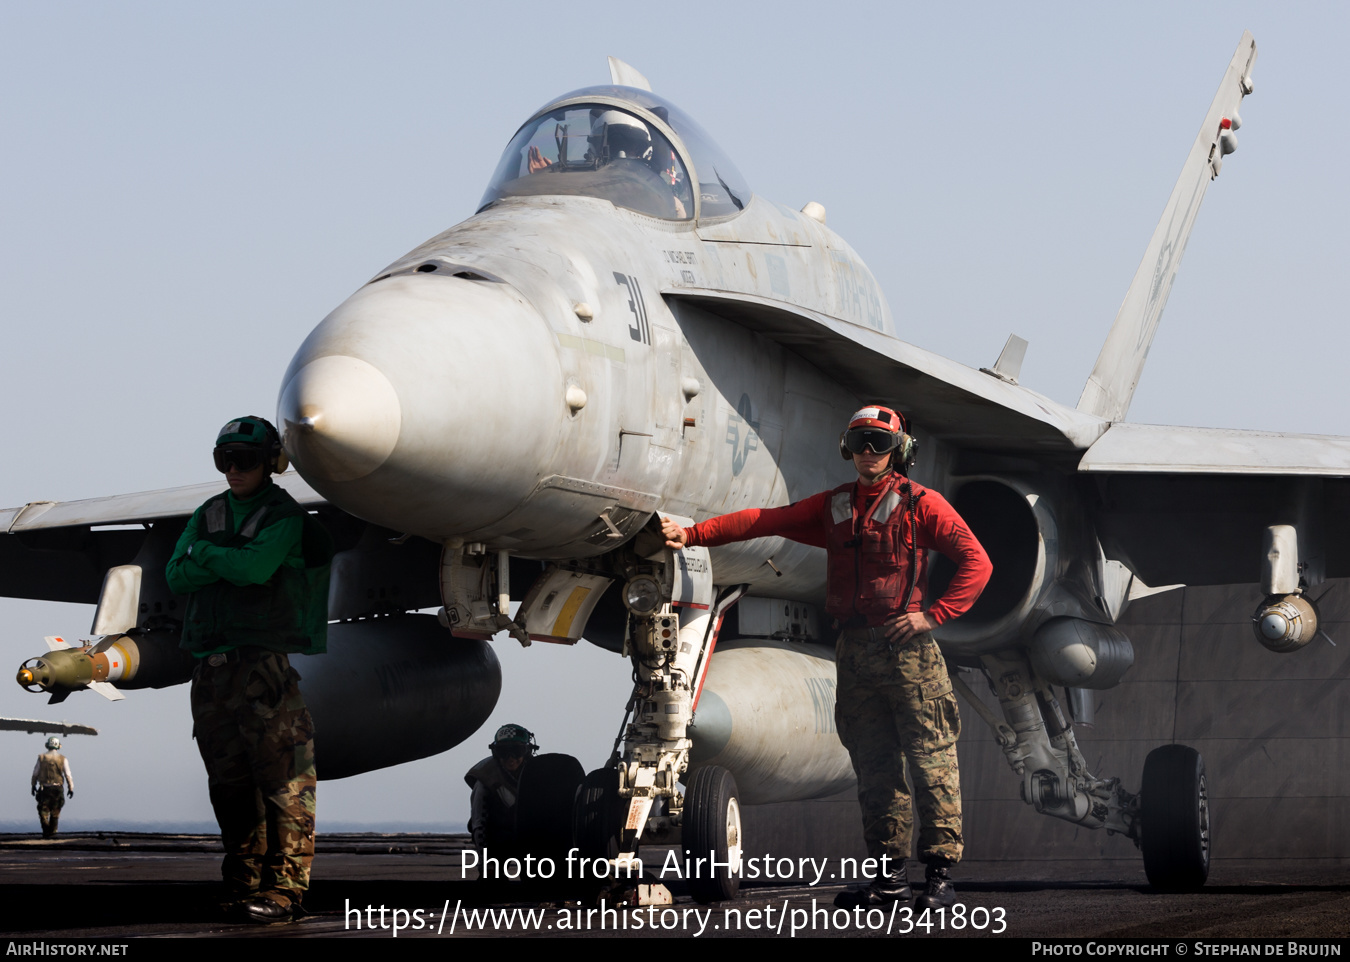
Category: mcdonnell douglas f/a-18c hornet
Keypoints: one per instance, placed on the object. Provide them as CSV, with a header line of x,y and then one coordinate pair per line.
x,y
625,330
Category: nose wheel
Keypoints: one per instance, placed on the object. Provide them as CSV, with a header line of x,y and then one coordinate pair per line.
x,y
711,830
1174,819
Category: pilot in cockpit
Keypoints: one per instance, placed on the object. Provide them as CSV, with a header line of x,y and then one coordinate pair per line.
x,y
618,138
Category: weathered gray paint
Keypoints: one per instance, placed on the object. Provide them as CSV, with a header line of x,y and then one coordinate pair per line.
x,y
1274,731
442,400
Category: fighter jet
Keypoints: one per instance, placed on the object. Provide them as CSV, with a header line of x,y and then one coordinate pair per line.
x,y
494,424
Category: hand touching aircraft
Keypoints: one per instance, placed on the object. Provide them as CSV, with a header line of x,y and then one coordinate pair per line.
x,y
625,329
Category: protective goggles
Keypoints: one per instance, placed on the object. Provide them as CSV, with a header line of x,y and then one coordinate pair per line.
x,y
514,751
858,440
243,457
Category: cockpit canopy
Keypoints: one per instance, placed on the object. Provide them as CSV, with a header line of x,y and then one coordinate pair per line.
x,y
624,145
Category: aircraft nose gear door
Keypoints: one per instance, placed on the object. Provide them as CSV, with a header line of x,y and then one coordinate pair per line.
x,y
674,616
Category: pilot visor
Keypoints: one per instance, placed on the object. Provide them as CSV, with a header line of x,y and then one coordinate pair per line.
x,y
244,457
858,440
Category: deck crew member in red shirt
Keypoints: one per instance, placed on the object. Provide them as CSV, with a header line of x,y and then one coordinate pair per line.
x,y
894,700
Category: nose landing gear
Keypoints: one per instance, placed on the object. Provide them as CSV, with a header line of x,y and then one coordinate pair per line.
x,y
675,612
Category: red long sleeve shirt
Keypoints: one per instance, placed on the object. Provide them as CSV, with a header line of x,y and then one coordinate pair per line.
x,y
810,521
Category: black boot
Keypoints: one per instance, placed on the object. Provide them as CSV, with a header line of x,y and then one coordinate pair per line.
x,y
939,892
884,890
264,911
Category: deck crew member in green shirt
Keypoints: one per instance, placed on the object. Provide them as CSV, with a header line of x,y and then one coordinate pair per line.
x,y
254,567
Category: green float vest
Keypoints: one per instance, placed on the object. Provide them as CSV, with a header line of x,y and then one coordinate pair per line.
x,y
288,613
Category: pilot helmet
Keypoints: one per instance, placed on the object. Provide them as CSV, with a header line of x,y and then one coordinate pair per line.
x,y
615,134
881,429
513,741
53,744
248,442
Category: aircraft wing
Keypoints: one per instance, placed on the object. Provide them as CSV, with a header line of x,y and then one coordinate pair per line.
x,y
1189,505
36,726
143,506
55,551
1154,448
945,398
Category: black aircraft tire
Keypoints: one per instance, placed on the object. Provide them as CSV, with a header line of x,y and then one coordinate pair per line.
x,y
547,792
1174,819
595,820
711,828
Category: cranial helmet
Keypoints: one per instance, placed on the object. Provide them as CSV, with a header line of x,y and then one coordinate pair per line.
x,y
514,740
883,431
53,744
249,441
616,134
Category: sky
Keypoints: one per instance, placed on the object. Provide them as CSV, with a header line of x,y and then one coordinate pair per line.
x,y
190,188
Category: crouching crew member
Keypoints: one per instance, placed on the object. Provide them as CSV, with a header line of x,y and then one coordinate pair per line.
x,y
496,785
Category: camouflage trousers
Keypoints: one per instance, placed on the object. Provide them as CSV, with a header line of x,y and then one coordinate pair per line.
x,y
50,800
895,707
257,740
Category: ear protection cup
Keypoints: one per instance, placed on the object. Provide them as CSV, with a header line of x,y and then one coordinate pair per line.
x,y
904,456
277,461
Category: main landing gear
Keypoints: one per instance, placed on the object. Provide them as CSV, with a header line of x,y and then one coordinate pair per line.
x,y
1169,818
1174,819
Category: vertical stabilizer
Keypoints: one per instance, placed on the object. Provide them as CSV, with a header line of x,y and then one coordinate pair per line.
x,y
1111,385
624,75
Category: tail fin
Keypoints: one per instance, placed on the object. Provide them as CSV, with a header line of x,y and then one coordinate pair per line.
x,y
1111,385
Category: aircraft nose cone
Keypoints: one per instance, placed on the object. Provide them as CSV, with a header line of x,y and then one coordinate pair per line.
x,y
339,418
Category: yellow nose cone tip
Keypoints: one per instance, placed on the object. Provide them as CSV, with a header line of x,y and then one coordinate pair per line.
x,y
25,677
340,418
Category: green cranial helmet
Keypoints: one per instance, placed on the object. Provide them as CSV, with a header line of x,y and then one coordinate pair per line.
x,y
53,743
248,430
515,740
248,441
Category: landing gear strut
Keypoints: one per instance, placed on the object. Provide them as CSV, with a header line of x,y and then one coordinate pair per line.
x,y
674,616
1168,819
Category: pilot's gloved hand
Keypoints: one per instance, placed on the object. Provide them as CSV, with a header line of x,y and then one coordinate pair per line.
x,y
70,793
35,791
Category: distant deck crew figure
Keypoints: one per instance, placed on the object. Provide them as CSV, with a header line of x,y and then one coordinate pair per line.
x,y
495,782
894,702
254,567
52,785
